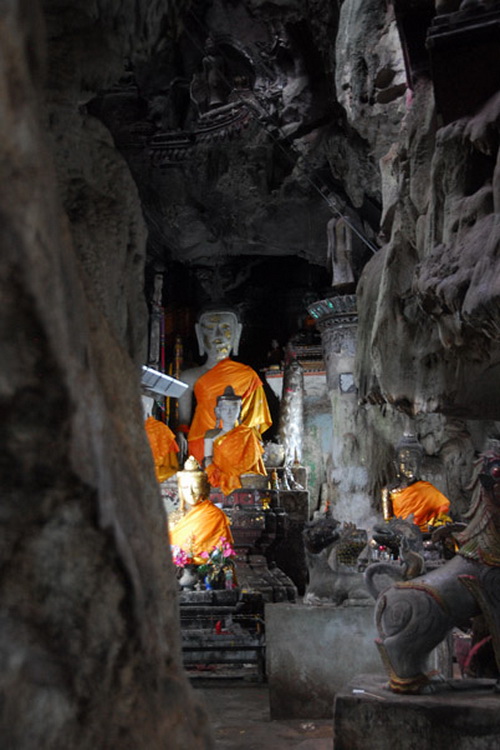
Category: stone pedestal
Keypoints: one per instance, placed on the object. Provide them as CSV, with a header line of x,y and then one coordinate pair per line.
x,y
312,652
369,717
288,552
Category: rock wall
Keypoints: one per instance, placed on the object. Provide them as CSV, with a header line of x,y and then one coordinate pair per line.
x,y
89,641
428,339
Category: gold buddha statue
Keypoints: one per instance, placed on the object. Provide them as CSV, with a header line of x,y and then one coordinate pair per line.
x,y
412,496
200,528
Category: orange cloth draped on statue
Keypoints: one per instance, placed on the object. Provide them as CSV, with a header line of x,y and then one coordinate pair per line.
x,y
163,447
236,452
246,384
422,499
200,530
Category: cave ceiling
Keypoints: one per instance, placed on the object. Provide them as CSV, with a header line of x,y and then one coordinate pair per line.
x,y
242,153
246,125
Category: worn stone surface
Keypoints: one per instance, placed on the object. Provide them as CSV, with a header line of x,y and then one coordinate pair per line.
x,y
368,717
312,652
253,727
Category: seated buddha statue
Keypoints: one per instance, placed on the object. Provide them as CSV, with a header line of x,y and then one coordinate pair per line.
x,y
412,496
162,442
218,333
231,448
203,525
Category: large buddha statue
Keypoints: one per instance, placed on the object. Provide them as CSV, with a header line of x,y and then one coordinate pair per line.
x,y
218,333
231,448
411,495
204,524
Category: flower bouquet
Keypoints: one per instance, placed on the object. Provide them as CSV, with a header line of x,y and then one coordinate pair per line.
x,y
188,575
218,569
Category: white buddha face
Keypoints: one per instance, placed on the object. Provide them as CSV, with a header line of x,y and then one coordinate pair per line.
x,y
218,334
228,412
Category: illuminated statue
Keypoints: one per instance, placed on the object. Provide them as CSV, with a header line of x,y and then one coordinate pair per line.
x,y
412,496
232,449
218,332
162,442
201,528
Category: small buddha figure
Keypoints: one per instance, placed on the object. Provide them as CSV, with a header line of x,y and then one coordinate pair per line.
x,y
162,442
411,495
201,528
218,332
231,448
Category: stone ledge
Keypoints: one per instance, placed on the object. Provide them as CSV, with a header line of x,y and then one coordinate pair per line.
x,y
460,717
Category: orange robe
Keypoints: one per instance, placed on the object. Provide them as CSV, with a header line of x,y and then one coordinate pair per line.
x,y
200,530
423,500
237,452
163,447
246,384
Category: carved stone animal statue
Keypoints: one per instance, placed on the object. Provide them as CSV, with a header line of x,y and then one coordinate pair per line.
x,y
331,553
414,616
411,565
404,539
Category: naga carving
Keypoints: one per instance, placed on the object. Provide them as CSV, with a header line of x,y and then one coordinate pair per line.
x,y
414,616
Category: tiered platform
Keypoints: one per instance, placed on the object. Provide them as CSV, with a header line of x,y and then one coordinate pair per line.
x,y
221,628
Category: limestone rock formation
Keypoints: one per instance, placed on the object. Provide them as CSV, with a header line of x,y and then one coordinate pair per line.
x,y
433,285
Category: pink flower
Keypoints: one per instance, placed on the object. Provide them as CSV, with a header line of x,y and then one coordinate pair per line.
x,y
180,557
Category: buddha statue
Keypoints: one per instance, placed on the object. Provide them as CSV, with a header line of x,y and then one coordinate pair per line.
x,y
412,496
218,332
162,442
204,524
231,448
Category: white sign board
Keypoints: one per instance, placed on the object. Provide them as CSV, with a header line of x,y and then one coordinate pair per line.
x,y
159,382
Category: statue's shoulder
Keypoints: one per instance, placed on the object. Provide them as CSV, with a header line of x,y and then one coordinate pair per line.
x,y
191,375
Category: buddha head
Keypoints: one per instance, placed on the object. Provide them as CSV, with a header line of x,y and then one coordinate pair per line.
x,y
218,332
192,483
409,453
228,408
